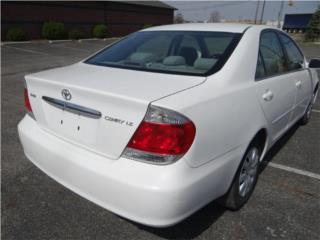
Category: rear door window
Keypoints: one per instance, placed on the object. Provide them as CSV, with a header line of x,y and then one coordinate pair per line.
x,y
295,57
260,72
272,54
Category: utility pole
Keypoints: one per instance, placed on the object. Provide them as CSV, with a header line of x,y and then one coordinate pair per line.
x,y
257,10
280,14
290,3
264,3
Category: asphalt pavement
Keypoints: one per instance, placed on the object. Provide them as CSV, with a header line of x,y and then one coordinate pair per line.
x,y
285,204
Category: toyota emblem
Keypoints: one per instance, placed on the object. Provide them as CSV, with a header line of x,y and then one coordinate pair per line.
x,y
66,94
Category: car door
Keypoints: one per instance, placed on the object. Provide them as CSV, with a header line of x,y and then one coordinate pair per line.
x,y
300,74
276,89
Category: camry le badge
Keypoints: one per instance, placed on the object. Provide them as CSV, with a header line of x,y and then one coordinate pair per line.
x,y
66,94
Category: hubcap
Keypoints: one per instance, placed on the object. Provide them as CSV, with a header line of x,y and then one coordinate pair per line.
x,y
248,171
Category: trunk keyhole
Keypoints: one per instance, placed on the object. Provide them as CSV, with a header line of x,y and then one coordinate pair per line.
x,y
61,122
78,128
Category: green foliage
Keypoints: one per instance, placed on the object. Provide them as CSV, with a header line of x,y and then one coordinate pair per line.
x,y
147,25
53,30
16,34
99,31
313,29
75,34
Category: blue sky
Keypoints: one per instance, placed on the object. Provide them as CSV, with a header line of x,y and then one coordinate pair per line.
x,y
200,10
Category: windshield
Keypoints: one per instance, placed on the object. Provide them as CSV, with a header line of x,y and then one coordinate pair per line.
x,y
178,52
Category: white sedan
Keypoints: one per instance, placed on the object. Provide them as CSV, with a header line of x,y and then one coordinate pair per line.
x,y
168,119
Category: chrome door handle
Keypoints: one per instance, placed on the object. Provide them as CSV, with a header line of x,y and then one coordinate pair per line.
x,y
298,84
267,96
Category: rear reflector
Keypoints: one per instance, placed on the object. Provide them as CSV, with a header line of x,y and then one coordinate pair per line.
x,y
27,104
26,101
163,137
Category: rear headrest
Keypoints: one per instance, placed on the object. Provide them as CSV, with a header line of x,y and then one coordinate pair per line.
x,y
142,57
190,54
204,63
174,61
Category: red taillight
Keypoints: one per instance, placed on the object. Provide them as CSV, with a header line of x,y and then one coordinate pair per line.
x,y
163,137
26,101
160,138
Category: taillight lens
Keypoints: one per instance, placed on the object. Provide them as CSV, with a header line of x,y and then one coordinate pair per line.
x,y
163,137
26,101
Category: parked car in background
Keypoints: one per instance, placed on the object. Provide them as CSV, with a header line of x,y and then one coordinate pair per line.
x,y
169,118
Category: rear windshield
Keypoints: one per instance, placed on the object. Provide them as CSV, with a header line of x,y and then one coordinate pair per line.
x,y
178,52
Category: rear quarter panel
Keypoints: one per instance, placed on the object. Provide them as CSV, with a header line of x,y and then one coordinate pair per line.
x,y
225,108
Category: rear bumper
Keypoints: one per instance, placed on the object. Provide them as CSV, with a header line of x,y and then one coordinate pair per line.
x,y
149,194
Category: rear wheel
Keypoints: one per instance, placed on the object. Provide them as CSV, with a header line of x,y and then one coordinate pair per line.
x,y
244,181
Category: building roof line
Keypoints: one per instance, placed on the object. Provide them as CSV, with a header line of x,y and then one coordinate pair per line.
x,y
157,4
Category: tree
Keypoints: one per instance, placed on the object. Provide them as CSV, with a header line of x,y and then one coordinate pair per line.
x,y
313,29
178,18
215,17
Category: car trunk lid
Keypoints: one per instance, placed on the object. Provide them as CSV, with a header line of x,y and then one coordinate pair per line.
x,y
120,96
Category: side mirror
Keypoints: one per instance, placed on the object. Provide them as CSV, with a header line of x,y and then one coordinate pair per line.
x,y
314,63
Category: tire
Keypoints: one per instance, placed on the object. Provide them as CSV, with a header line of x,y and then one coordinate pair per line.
x,y
239,193
307,115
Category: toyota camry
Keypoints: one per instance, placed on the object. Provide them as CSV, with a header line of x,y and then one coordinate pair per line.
x,y
158,124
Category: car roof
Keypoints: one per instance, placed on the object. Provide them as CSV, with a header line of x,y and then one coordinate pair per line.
x,y
214,27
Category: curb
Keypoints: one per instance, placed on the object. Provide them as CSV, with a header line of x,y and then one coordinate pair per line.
x,y
97,39
59,41
308,43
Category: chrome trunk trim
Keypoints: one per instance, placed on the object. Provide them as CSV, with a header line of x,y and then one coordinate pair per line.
x,y
74,108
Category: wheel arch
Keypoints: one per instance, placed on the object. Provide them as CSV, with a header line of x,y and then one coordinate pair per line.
x,y
261,138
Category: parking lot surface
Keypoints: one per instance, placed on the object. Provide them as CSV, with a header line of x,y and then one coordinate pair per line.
x,y
285,204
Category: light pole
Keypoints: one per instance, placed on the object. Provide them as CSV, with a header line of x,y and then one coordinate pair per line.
x,y
257,10
280,14
264,3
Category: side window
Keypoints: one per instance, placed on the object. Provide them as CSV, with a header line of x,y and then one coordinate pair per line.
x,y
272,54
295,58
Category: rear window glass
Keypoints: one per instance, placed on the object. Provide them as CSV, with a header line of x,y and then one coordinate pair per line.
x,y
179,52
217,45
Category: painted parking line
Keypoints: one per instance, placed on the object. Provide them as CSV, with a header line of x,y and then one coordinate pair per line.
x,y
26,50
294,170
316,110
